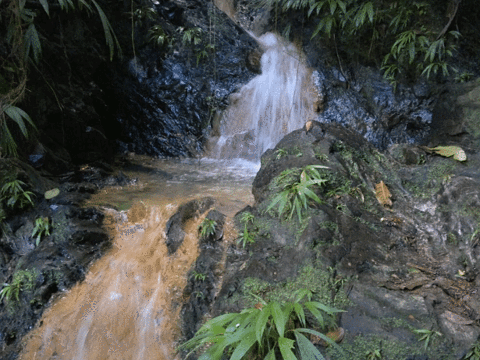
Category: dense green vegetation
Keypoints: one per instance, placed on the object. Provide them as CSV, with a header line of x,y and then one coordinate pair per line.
x,y
266,331
23,44
407,39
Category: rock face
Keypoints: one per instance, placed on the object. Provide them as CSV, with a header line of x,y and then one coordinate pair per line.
x,y
60,259
164,100
396,269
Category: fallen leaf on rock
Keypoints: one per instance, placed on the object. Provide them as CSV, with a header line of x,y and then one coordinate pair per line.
x,y
308,125
447,151
383,194
456,319
50,194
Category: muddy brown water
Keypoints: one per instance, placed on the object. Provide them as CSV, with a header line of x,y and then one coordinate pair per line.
x,y
128,306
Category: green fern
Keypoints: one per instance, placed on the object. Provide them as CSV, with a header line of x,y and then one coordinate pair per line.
x,y
297,192
207,227
18,116
259,332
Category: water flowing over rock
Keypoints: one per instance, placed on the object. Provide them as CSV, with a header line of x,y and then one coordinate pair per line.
x,y
162,102
271,105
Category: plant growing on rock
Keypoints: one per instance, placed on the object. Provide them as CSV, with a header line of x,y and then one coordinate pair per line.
x,y
405,33
246,237
158,36
198,276
473,353
426,335
13,194
22,280
42,228
207,227
264,332
296,194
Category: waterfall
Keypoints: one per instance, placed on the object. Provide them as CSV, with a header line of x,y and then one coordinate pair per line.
x,y
279,100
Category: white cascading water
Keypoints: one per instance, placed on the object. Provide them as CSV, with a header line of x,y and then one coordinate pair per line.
x,y
279,100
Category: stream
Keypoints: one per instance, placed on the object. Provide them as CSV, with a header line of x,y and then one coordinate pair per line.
x,y
129,303
128,306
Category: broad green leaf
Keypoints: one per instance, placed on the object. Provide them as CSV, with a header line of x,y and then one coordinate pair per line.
x,y
271,355
320,335
242,348
286,346
18,115
307,350
278,318
261,323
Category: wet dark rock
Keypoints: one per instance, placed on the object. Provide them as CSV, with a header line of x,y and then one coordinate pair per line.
x,y
163,107
176,224
219,219
415,264
205,279
60,260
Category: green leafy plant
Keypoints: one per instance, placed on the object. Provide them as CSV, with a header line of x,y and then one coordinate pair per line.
x,y
473,353
280,153
207,227
13,194
263,331
296,194
158,36
20,117
198,276
463,77
373,355
194,38
404,33
22,280
42,228
24,46
247,237
426,335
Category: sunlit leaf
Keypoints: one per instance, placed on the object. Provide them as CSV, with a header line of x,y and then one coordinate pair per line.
x,y
457,152
383,194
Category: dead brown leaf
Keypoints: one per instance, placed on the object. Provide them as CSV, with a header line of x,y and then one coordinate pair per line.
x,y
383,194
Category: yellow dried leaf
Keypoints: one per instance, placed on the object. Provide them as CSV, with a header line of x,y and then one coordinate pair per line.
x,y
447,151
308,125
383,194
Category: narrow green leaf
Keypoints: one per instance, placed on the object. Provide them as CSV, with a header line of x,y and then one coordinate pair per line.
x,y
45,6
32,42
286,346
321,336
245,345
370,11
278,318
307,350
271,355
110,36
300,313
261,323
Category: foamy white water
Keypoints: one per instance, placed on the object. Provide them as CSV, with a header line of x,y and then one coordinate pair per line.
x,y
279,100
